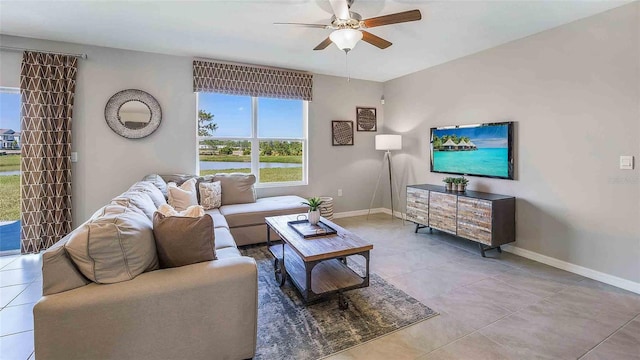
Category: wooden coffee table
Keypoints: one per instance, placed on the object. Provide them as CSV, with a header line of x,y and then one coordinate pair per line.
x,y
317,266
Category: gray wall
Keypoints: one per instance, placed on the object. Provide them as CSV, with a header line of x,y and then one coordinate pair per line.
x,y
108,164
574,92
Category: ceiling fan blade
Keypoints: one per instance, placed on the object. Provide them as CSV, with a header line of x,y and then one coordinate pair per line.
x,y
340,9
375,40
323,45
406,16
315,26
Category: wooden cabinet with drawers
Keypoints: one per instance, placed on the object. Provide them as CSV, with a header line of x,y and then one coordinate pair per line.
x,y
488,219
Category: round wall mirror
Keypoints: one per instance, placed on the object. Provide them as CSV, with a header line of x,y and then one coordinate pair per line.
x,y
133,113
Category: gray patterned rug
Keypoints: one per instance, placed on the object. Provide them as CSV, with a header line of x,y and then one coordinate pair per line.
x,y
287,329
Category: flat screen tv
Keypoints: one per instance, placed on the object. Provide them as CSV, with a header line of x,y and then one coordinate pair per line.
x,y
475,150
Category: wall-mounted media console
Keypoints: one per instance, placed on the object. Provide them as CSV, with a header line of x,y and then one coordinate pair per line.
x,y
488,219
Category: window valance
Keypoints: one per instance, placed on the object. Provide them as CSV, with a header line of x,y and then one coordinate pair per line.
x,y
239,79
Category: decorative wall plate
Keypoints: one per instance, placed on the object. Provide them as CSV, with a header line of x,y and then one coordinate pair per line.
x,y
341,132
366,119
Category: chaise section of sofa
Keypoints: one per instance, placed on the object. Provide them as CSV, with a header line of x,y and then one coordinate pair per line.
x,y
246,221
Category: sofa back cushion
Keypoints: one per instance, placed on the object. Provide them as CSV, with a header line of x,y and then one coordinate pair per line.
x,y
183,240
148,188
114,247
237,188
137,201
158,181
59,273
177,178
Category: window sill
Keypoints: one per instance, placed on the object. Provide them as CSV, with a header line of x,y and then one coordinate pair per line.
x,y
281,184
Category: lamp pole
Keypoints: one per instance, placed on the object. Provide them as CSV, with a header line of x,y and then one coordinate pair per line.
x,y
388,154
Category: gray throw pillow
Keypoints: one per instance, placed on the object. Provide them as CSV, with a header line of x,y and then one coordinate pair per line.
x,y
237,188
114,247
183,240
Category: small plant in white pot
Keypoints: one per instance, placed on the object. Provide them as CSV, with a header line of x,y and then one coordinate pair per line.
x,y
314,209
462,184
448,183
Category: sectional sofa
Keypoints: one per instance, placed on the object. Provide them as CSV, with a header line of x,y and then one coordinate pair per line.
x,y
205,310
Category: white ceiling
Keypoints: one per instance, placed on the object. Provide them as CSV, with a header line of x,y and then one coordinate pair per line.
x,y
243,31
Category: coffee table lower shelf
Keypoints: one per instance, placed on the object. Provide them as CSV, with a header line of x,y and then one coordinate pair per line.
x,y
318,279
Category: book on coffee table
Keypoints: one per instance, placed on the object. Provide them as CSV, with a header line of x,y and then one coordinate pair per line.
x,y
308,230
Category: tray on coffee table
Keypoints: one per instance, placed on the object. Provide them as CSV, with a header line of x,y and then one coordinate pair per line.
x,y
308,230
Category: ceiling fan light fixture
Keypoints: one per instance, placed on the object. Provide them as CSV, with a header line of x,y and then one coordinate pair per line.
x,y
346,39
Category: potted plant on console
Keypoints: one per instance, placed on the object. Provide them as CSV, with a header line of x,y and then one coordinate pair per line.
x,y
314,209
448,181
462,183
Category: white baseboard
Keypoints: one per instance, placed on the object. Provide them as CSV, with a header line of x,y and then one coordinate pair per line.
x,y
345,214
576,269
359,213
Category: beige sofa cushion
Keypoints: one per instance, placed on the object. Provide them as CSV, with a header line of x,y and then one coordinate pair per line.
x,y
150,189
137,201
227,253
183,241
182,196
58,271
179,179
224,239
253,214
237,188
117,246
158,181
218,219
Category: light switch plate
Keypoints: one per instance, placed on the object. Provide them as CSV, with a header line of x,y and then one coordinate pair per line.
x,y
626,162
74,156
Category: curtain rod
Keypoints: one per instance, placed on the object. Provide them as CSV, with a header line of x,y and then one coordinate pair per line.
x,y
9,48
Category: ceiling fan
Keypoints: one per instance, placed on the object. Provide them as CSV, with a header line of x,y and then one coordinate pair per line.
x,y
349,28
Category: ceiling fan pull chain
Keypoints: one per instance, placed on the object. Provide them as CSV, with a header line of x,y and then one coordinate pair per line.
x,y
346,65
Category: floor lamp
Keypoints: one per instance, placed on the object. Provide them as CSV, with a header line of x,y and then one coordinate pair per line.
x,y
386,143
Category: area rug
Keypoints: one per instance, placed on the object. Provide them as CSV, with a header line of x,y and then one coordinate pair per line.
x,y
288,329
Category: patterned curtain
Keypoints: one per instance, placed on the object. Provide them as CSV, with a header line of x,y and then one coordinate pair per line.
x,y
47,86
238,79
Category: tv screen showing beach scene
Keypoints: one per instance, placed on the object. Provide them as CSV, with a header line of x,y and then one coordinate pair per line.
x,y
477,150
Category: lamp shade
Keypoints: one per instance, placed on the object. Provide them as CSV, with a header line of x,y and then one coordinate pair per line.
x,y
388,142
345,39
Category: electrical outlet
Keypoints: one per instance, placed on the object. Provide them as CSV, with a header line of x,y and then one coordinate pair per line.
x,y
74,156
339,192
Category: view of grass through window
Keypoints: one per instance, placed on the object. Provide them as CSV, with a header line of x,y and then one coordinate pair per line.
x,y
9,169
227,139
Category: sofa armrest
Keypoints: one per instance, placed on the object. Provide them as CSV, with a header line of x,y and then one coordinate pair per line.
x,y
200,311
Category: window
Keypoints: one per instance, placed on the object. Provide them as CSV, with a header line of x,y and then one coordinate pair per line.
x,y
9,170
264,136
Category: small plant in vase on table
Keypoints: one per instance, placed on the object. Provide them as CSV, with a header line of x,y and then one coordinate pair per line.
x,y
314,209
448,181
462,183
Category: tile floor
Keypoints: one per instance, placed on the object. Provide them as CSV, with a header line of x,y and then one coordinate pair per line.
x,y
501,307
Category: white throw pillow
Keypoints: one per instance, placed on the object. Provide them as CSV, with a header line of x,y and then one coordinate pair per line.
x,y
192,211
180,198
210,195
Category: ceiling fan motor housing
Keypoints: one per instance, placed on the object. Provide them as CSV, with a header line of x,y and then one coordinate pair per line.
x,y
355,22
